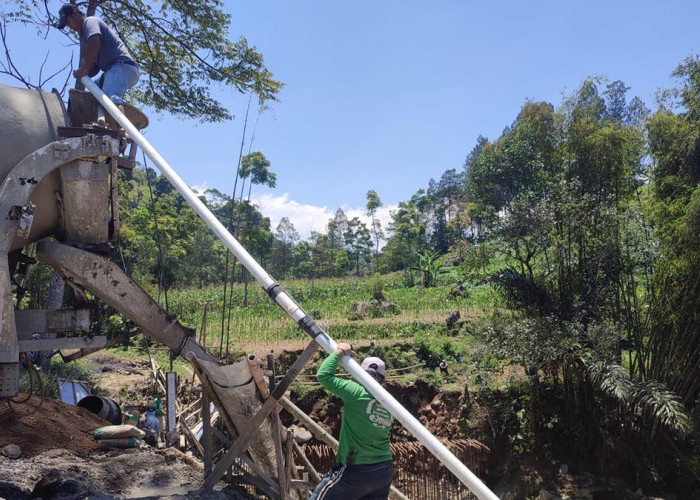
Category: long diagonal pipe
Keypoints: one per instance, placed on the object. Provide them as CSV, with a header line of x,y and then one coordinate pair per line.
x,y
286,302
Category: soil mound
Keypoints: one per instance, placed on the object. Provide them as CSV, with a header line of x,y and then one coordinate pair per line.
x,y
58,448
37,427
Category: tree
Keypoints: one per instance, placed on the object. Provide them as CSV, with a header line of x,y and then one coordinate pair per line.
x,y
430,267
158,232
408,232
334,243
373,204
286,236
358,244
673,352
257,167
303,260
328,255
446,198
183,49
616,102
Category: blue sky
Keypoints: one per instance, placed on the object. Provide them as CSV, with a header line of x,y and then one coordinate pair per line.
x,y
387,94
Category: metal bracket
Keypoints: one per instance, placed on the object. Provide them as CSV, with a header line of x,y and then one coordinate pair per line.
x,y
102,142
61,151
9,353
25,215
31,180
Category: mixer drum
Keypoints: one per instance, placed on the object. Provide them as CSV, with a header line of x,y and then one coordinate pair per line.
x,y
29,120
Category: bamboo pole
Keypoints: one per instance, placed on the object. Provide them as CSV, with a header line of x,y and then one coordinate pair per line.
x,y
206,433
289,461
272,484
307,464
260,382
318,431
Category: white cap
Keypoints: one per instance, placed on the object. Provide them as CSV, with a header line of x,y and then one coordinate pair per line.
x,y
374,364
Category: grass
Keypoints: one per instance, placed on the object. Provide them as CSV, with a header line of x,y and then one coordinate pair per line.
x,y
421,320
328,300
138,350
82,370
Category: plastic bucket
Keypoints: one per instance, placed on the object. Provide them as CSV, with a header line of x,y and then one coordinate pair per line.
x,y
105,408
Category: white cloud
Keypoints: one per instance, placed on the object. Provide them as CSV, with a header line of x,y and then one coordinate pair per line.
x,y
200,188
307,218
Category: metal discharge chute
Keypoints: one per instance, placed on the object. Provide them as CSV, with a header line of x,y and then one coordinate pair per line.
x,y
284,300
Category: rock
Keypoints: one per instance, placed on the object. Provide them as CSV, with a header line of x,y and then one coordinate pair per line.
x,y
172,437
70,489
563,468
546,495
301,434
47,485
452,318
12,451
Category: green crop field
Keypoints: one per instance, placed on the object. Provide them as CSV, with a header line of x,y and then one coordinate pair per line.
x,y
329,302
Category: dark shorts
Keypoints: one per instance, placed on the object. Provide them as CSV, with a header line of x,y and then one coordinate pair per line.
x,y
356,482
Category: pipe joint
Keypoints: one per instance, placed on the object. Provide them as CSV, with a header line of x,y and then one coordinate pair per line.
x,y
275,290
308,324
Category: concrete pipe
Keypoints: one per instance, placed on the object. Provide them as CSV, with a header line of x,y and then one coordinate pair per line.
x,y
104,407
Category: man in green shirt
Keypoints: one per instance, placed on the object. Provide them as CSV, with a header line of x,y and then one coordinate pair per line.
x,y
365,469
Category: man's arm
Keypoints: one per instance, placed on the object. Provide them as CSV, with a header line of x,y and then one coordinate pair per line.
x,y
342,388
92,52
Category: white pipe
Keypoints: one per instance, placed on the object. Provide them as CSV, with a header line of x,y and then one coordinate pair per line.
x,y
293,309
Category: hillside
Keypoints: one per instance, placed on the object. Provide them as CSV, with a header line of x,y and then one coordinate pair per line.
x,y
56,436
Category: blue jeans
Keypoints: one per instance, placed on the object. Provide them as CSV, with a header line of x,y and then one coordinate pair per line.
x,y
356,482
118,79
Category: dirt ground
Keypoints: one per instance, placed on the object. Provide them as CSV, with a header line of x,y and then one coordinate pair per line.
x,y
56,443
58,448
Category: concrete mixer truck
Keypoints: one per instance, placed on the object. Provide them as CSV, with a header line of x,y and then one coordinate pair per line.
x,y
58,188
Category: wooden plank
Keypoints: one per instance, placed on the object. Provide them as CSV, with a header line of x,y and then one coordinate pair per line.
x,y
30,321
275,420
289,461
206,434
269,405
248,462
97,342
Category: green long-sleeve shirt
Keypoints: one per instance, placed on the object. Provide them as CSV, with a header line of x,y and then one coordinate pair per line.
x,y
366,425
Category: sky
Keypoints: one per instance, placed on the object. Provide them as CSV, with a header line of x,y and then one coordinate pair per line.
x,y
387,94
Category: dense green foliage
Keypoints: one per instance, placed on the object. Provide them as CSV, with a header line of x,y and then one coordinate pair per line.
x,y
184,49
163,242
